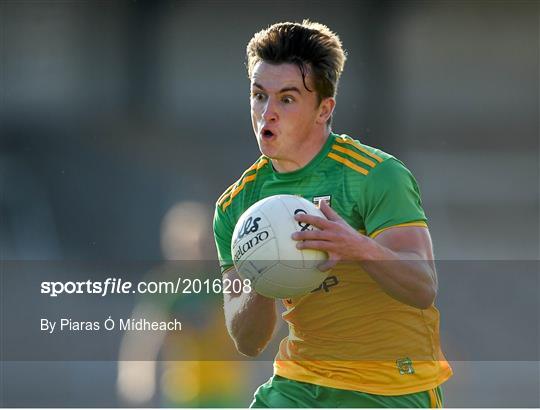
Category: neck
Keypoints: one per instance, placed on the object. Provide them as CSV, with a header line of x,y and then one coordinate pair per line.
x,y
306,153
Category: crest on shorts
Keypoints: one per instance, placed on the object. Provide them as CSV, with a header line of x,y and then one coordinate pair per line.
x,y
326,198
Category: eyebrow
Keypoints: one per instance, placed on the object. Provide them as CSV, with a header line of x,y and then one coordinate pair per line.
x,y
283,90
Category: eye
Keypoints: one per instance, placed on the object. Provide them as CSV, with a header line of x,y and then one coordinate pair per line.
x,y
258,96
287,99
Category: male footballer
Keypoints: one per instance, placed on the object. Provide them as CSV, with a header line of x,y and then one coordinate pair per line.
x,y
369,336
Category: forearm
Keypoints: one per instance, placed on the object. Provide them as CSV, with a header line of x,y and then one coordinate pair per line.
x,y
251,320
405,276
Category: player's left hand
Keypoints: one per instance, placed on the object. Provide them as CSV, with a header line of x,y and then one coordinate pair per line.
x,y
335,237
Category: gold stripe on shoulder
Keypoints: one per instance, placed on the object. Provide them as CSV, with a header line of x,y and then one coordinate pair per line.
x,y
261,162
420,224
255,166
224,194
239,188
354,155
348,163
359,147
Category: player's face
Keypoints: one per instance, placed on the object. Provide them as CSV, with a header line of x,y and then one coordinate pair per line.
x,y
286,117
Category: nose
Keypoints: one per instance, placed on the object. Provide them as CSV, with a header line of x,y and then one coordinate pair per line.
x,y
269,111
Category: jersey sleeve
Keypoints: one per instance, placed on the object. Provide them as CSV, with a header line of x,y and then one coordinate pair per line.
x,y
391,197
223,231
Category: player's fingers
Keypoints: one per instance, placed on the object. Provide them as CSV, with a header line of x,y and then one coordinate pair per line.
x,y
313,234
313,220
329,212
314,244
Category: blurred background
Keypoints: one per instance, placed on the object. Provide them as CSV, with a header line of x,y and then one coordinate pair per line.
x,y
122,122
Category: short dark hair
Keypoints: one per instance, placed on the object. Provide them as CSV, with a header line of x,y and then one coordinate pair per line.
x,y
309,45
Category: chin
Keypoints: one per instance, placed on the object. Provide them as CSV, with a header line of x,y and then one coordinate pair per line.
x,y
270,152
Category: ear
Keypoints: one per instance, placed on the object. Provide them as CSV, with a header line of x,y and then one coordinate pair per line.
x,y
326,108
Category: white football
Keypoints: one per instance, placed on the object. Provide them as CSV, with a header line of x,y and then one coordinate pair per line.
x,y
264,252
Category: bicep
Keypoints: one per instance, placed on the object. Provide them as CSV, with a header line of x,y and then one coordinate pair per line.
x,y
411,243
412,240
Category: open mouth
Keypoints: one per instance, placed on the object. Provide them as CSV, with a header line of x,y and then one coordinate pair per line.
x,y
267,133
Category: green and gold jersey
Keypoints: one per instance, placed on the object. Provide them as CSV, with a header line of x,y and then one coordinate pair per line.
x,y
348,333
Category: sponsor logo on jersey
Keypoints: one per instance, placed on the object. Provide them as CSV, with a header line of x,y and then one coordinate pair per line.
x,y
327,284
